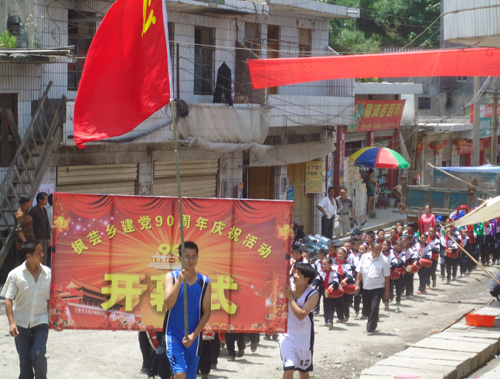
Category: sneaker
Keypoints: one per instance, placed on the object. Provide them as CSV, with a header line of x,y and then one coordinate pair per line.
x,y
241,352
434,283
420,292
386,306
275,337
356,315
330,326
231,358
346,320
204,376
398,303
448,281
363,317
213,366
253,347
339,321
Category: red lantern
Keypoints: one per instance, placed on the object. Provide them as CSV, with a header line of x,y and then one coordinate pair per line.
x,y
436,146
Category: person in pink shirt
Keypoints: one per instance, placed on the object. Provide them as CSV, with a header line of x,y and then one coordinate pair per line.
x,y
426,220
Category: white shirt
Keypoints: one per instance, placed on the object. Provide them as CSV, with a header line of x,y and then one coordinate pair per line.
x,y
31,306
374,271
328,207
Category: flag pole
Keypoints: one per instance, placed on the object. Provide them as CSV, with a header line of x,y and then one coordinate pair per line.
x,y
181,222
182,251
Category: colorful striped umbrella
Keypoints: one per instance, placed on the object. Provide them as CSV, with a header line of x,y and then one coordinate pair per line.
x,y
378,157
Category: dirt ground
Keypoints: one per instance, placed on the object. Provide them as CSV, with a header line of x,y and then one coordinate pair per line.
x,y
339,353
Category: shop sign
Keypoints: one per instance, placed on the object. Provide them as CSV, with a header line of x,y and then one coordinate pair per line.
x,y
373,115
485,119
314,177
467,146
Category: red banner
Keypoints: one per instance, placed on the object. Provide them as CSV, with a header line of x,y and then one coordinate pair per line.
x,y
370,115
112,254
275,72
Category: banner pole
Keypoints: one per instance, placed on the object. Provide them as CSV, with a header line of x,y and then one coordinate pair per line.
x,y
181,222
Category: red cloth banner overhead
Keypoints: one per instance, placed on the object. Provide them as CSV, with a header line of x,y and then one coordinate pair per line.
x,y
371,115
454,62
126,74
112,254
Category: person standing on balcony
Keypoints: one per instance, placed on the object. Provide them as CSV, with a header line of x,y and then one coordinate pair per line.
x,y
41,226
24,226
328,206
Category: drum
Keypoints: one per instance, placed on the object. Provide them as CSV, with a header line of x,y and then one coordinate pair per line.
x,y
395,275
349,289
412,269
435,256
425,262
401,270
334,294
453,254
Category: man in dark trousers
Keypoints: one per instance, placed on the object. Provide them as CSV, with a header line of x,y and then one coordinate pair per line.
x,y
374,270
41,227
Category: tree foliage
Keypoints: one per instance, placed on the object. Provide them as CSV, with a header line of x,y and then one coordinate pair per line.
x,y
386,23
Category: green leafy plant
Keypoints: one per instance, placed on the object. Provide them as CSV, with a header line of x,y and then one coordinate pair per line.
x,y
7,40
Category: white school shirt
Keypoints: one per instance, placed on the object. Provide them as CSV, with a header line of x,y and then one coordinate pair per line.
x,y
30,298
328,207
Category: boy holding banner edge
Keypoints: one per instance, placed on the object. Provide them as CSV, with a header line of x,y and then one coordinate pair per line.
x,y
184,353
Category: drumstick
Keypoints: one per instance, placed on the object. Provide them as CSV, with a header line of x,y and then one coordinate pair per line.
x,y
473,259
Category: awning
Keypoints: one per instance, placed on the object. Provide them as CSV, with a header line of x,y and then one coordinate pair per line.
x,y
487,211
241,123
487,168
294,153
265,155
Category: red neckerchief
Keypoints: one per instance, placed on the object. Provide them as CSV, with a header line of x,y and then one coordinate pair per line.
x,y
381,240
340,271
393,240
327,277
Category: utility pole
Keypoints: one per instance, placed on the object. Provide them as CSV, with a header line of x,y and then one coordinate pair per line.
x,y
475,131
494,123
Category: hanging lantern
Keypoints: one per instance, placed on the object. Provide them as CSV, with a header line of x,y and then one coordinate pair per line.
x,y
458,141
436,146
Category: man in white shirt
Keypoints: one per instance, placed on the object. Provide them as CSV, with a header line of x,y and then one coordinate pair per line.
x,y
374,270
328,206
27,292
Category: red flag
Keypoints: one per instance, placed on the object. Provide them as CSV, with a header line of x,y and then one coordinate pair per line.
x,y
452,62
126,74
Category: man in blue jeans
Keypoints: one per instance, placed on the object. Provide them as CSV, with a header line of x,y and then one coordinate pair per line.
x,y
27,292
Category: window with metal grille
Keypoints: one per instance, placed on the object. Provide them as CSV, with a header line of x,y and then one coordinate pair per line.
x,y
81,30
204,60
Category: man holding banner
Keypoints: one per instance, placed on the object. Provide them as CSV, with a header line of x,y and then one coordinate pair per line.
x,y
184,353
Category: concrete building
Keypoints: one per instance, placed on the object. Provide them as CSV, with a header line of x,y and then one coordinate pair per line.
x,y
257,148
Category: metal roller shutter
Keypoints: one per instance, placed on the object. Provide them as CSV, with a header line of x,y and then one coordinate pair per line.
x,y
198,178
117,179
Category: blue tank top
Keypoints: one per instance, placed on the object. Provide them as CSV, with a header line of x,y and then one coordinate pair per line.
x,y
175,316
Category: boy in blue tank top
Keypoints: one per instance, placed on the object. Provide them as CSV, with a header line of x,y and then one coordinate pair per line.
x,y
184,354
